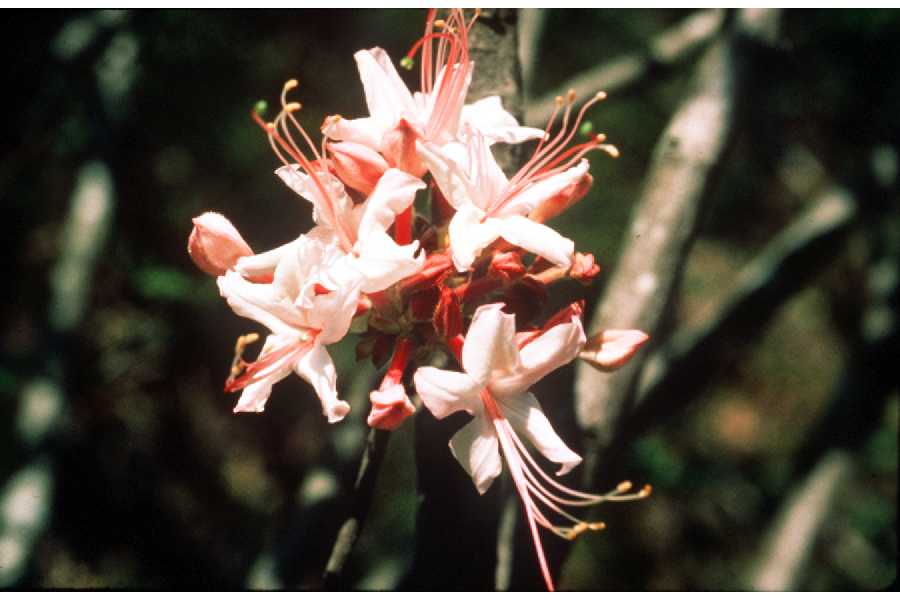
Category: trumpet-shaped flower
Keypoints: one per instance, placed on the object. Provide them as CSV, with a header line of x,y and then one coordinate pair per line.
x,y
309,304
499,368
434,114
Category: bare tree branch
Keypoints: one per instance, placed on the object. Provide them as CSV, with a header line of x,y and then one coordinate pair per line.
x,y
532,22
619,74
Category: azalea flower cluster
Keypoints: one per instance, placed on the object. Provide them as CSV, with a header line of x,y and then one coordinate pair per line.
x,y
422,243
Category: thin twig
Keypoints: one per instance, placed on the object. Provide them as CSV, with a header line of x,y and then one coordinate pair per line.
x,y
363,492
624,72
532,22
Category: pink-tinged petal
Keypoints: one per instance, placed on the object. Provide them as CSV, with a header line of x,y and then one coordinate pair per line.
x,y
215,245
476,448
394,193
610,349
316,367
334,201
549,351
488,180
399,148
447,392
538,239
525,415
490,345
366,130
257,302
390,407
525,201
562,201
261,265
469,235
387,97
383,262
488,117
357,165
254,396
446,103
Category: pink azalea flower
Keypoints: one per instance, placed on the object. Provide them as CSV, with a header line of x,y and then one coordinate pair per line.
x,y
437,112
494,389
309,304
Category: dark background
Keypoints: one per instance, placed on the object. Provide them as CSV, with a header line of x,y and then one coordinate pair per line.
x,y
145,479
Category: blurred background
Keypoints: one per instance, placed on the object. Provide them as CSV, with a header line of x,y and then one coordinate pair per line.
x,y
122,464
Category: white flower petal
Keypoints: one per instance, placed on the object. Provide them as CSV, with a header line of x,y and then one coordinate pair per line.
x,y
393,194
447,165
387,97
366,130
490,345
446,392
488,117
317,368
257,302
469,235
476,447
525,415
538,239
254,397
263,264
554,348
383,262
535,194
329,197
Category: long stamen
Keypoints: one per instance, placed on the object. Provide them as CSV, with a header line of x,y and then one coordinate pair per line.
x,y
244,373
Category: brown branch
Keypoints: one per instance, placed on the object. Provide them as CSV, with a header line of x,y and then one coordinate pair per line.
x,y
624,72
684,164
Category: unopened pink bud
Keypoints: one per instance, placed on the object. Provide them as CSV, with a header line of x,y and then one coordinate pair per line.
x,y
390,407
399,148
610,349
215,245
358,166
572,193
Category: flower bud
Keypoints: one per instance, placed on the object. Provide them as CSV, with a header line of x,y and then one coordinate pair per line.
x,y
610,349
571,194
358,166
215,245
390,407
584,268
399,148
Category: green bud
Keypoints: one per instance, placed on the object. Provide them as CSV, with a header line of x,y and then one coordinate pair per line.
x,y
586,128
261,107
407,63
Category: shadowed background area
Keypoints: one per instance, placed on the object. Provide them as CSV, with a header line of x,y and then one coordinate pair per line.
x,y
764,413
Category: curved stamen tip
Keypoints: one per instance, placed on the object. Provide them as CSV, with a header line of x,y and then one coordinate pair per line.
x,y
440,23
270,126
261,107
645,491
292,107
610,149
407,63
623,487
570,95
558,100
290,84
600,96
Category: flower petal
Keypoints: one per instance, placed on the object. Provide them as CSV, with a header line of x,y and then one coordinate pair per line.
x,y
366,130
537,239
446,392
536,194
447,165
383,262
490,345
393,194
469,235
257,302
387,97
317,368
476,447
525,415
488,117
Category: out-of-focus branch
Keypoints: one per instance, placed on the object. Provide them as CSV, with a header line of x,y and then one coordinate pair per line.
x,y
363,492
532,22
684,164
782,269
619,74
789,543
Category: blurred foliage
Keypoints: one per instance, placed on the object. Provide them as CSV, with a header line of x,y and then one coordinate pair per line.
x,y
159,485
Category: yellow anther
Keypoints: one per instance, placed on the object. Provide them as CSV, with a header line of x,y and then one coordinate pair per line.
x,y
293,107
623,487
570,95
270,126
645,491
600,96
610,149
440,23
290,84
598,526
600,137
558,100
